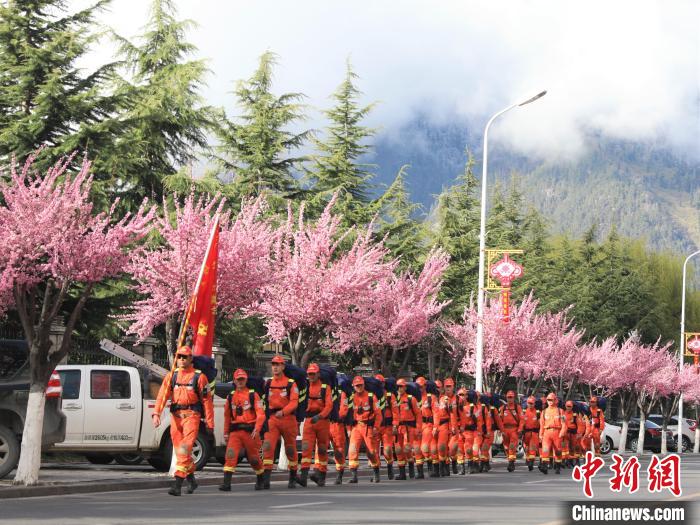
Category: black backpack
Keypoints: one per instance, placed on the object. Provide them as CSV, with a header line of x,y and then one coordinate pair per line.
x,y
413,389
206,365
431,388
329,377
375,386
299,376
345,385
390,385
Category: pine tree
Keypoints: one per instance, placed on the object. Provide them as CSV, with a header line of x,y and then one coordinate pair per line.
x,y
255,151
457,231
166,118
397,223
45,98
336,167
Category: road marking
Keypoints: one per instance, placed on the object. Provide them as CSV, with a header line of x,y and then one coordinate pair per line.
x,y
300,505
533,482
444,490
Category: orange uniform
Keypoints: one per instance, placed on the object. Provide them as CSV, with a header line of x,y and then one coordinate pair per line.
x,y
531,436
390,420
367,419
445,421
339,437
569,448
316,434
492,422
410,425
281,394
471,424
512,423
427,446
244,413
191,400
552,430
597,426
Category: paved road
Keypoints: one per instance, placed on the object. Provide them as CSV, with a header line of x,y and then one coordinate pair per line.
x,y
497,497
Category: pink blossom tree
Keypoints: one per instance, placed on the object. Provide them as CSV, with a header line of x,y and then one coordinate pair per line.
x,y
55,247
394,314
316,281
165,276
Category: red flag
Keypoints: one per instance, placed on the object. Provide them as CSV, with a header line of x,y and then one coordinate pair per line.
x,y
201,312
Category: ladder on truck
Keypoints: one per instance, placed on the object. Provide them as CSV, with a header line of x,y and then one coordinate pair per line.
x,y
130,357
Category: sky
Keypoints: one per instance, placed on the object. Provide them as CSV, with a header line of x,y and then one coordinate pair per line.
x,y
626,69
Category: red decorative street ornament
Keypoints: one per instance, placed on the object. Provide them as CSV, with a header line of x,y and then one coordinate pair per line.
x,y
693,344
505,272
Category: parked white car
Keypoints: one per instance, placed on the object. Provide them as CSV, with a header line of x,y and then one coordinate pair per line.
x,y
688,429
610,438
108,413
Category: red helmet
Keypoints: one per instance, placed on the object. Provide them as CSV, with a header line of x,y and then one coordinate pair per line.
x,y
551,396
401,382
420,380
358,381
278,359
449,382
510,394
184,350
240,374
380,377
313,369
531,399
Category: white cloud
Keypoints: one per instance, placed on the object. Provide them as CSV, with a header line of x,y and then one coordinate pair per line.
x,y
627,68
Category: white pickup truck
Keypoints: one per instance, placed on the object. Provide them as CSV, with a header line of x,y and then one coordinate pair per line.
x,y
108,413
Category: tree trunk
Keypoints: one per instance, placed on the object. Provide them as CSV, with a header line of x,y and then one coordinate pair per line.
x,y
404,361
171,333
623,436
30,455
642,431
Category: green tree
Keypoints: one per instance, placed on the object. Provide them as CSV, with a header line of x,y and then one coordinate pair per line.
x,y
45,98
255,152
166,118
336,167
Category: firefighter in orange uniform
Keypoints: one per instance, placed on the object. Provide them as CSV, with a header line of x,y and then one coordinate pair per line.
x,y
445,425
244,416
281,400
582,429
458,464
410,425
568,443
423,440
597,424
471,423
316,435
492,422
339,438
191,400
531,435
552,430
367,419
512,426
389,429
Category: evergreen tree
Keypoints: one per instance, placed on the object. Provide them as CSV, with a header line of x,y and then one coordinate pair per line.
x,y
457,231
255,151
397,224
336,166
167,121
45,98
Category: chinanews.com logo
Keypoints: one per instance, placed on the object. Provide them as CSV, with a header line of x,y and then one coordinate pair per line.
x,y
662,475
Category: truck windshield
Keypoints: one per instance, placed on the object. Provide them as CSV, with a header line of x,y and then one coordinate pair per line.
x,y
13,357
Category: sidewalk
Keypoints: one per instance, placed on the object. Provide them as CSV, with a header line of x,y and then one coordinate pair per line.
x,y
80,477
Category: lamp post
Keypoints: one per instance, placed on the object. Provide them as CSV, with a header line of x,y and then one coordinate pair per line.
x,y
679,444
482,246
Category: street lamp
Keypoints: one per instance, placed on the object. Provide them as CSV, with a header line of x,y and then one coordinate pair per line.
x,y
679,444
482,246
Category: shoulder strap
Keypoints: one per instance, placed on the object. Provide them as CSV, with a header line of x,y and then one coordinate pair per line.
x,y
173,380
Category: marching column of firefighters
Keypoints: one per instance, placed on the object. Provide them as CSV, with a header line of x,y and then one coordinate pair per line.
x,y
426,428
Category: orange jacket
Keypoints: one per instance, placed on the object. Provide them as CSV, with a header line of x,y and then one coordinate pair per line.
x,y
408,411
366,409
185,393
426,407
390,413
344,406
597,418
445,411
496,422
531,420
571,421
511,417
487,419
239,410
471,417
552,418
279,399
582,422
317,405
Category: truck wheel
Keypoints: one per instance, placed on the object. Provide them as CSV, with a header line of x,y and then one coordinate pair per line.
x,y
99,459
129,459
201,452
9,451
607,445
161,460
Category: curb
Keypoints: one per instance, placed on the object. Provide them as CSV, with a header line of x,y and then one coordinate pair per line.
x,y
86,487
